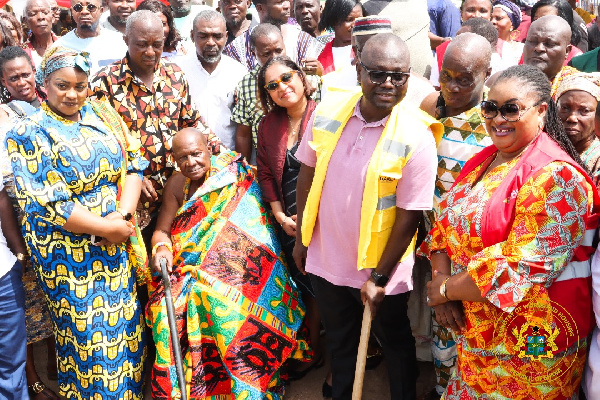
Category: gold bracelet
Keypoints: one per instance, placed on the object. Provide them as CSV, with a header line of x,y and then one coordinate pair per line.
x,y
443,288
160,244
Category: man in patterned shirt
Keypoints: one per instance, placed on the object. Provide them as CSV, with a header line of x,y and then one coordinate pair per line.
x,y
152,96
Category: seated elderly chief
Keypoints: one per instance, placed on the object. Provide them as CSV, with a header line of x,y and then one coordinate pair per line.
x,y
238,312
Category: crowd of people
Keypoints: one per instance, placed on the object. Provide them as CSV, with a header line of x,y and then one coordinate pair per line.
x,y
288,168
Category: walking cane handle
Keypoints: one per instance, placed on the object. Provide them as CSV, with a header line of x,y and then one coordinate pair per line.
x,y
361,359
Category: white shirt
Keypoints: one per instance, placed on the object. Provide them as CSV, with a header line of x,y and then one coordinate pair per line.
x,y
104,49
108,26
7,258
342,56
213,93
418,89
344,78
185,24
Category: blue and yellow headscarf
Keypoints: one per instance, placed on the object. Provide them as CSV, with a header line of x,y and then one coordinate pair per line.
x,y
61,57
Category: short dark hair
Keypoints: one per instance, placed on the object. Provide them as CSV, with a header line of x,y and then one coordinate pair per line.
x,y
336,11
157,6
483,27
263,29
564,11
11,53
266,102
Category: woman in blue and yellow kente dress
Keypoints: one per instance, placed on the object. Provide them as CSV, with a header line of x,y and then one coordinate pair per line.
x,y
68,160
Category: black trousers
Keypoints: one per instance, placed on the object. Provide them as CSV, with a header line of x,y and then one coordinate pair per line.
x,y
341,312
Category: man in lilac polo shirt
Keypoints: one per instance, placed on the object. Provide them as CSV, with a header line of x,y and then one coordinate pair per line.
x,y
334,235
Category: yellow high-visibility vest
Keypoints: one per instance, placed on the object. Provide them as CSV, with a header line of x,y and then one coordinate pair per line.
x,y
402,134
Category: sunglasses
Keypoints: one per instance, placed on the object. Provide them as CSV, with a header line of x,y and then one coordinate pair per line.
x,y
286,77
380,77
79,7
509,111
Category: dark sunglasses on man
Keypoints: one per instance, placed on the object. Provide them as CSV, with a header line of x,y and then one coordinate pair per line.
x,y
379,77
79,7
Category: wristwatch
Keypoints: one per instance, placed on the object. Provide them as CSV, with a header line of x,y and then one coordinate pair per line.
x,y
379,279
21,257
443,289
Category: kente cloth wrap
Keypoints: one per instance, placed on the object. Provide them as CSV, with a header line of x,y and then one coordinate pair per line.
x,y
90,290
61,57
238,313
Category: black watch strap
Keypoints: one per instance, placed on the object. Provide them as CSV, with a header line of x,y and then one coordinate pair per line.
x,y
379,279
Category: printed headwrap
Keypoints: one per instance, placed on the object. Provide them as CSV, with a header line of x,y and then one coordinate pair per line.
x,y
511,9
371,26
587,82
61,57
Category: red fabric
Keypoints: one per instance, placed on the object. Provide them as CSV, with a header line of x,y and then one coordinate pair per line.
x,y
440,51
272,147
496,224
326,58
574,52
520,34
499,45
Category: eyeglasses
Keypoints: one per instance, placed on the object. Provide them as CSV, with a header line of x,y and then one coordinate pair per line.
x,y
90,7
286,77
510,112
380,77
462,82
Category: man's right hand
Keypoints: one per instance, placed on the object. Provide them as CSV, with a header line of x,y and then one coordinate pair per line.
x,y
299,255
148,195
450,315
163,252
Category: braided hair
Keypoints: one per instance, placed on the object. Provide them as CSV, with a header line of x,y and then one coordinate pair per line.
x,y
534,82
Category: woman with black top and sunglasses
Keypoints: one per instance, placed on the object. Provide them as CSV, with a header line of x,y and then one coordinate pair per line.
x,y
285,99
512,243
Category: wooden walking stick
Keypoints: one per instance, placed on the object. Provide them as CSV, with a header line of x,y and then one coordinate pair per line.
x,y
173,328
361,359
